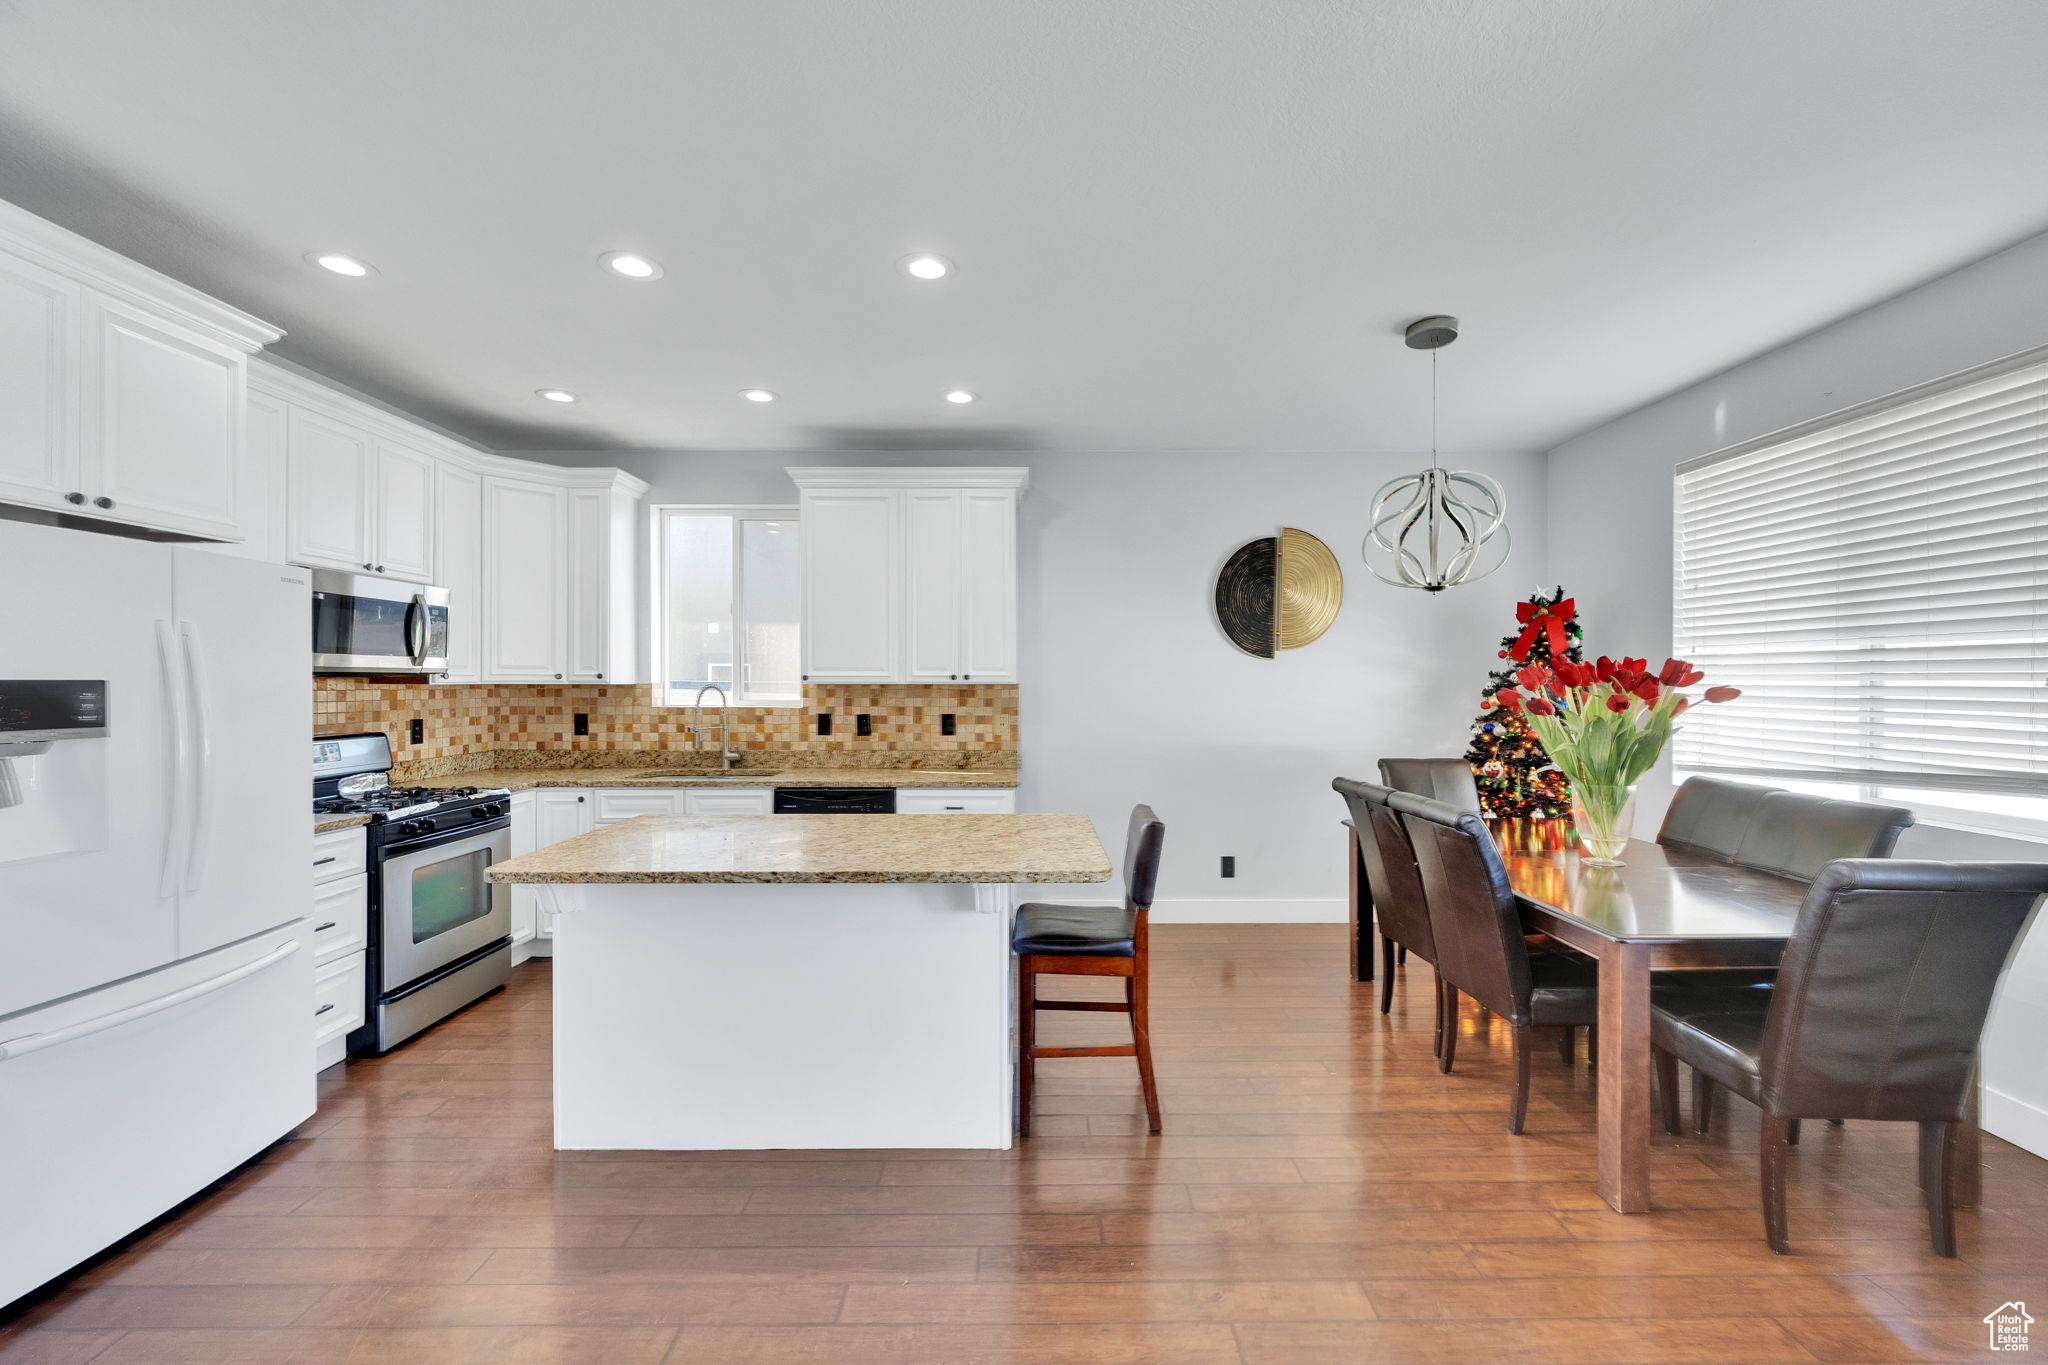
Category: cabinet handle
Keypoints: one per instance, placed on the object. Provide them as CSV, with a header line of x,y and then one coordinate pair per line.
x,y
369,566
322,862
323,928
956,808
558,677
323,1009
103,503
954,676
600,675
75,499
380,568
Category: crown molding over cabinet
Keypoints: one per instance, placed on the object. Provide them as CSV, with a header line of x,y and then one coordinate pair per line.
x,y
910,574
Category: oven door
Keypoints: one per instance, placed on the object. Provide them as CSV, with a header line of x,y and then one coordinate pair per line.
x,y
376,625
437,906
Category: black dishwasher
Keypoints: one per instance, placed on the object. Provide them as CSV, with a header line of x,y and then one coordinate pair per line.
x,y
835,800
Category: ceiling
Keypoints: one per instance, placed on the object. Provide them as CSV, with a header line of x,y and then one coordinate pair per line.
x,y
1178,224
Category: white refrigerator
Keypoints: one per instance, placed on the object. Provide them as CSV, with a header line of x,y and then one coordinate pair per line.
x,y
155,969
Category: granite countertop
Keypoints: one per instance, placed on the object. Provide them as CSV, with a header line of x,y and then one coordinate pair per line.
x,y
327,824
822,848
524,779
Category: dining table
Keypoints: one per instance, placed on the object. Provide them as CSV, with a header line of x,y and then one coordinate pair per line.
x,y
1663,908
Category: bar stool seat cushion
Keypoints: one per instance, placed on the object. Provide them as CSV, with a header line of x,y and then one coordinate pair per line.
x,y
1075,930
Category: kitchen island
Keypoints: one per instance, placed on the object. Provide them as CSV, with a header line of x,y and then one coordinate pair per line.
x,y
757,981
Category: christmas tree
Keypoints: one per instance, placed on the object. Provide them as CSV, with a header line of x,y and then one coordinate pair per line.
x,y
1514,774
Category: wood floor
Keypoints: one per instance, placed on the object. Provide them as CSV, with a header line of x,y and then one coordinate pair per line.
x,y
1321,1194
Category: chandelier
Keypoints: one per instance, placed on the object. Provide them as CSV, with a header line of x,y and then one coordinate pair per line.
x,y
1442,527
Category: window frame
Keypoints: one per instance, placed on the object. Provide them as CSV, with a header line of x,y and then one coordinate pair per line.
x,y
658,556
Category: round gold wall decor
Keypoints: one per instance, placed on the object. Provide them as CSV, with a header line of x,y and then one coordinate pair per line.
x,y
1278,592
1311,589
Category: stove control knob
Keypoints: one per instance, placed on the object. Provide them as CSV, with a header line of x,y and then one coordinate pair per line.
x,y
428,826
408,829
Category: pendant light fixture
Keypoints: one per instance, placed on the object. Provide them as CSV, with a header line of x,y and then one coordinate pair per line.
x,y
1442,527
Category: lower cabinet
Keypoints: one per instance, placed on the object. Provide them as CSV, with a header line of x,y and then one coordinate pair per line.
x,y
944,801
340,930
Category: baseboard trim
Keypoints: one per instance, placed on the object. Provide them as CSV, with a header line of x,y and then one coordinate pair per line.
x,y
2014,1119
1278,911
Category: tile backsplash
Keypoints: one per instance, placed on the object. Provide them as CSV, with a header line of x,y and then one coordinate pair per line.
x,y
479,720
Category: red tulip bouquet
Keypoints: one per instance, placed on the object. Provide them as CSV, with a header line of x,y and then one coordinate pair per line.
x,y
1604,724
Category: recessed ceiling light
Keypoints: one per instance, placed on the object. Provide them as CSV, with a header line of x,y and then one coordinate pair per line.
x,y
757,395
339,264
556,395
959,396
926,266
631,265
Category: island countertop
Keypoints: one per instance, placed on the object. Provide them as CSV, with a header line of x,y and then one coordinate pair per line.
x,y
821,848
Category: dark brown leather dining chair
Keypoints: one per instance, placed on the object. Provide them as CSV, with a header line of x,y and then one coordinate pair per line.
x,y
1476,920
1879,1005
1794,835
1395,884
1092,940
1710,815
1448,780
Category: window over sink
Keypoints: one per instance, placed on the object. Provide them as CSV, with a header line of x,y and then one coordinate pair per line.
x,y
727,600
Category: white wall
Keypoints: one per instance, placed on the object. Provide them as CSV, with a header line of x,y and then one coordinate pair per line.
x,y
1130,693
1610,516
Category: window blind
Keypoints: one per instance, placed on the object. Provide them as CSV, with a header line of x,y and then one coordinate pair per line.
x,y
1877,584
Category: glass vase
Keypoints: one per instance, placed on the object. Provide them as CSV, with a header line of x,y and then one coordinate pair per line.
x,y
1604,817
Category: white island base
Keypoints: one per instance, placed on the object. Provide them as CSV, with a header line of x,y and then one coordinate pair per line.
x,y
708,1016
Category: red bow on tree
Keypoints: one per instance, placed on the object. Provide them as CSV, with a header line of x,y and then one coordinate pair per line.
x,y
1550,621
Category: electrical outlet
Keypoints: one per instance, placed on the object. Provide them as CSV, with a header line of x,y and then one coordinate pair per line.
x,y
862,725
947,725
582,722
1229,865
824,722
417,730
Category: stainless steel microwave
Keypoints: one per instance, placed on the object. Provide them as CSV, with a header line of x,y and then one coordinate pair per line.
x,y
363,624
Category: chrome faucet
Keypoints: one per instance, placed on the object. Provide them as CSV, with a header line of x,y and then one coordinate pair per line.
x,y
725,753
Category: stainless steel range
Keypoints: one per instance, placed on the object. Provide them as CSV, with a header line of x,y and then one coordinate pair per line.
x,y
440,934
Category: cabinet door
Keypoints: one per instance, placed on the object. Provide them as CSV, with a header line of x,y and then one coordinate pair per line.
x,y
730,801
163,438
38,386
932,585
330,472
264,443
589,584
945,801
458,566
852,604
560,815
402,512
525,568
988,565
525,833
630,803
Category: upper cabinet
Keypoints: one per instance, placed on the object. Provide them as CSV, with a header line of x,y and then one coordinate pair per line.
x,y
910,575
362,488
459,566
121,391
559,587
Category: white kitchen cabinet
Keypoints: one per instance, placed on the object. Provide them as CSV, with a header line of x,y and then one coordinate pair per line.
x,y
265,443
852,579
910,574
729,800
340,1005
603,586
525,837
341,918
163,423
330,467
39,317
339,926
614,806
525,572
360,502
459,564
953,801
402,512
121,391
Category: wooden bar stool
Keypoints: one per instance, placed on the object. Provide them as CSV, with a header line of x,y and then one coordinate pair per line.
x,y
1091,940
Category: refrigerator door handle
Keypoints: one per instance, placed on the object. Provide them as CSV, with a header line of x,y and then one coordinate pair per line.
x,y
177,704
36,1042
202,755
